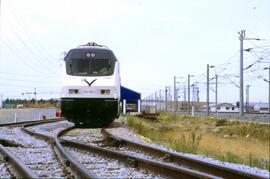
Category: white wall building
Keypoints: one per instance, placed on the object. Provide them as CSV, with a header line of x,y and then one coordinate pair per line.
x,y
259,107
222,107
226,107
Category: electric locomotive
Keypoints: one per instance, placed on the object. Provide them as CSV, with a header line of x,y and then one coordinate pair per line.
x,y
90,93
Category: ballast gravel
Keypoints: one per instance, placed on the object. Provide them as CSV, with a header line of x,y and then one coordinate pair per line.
x,y
42,156
42,161
108,168
129,134
94,137
90,136
4,171
84,135
37,154
50,129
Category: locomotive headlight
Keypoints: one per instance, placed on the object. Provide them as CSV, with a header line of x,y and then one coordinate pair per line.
x,y
92,55
73,91
105,91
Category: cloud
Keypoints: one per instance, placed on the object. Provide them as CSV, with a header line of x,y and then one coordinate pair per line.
x,y
175,19
200,4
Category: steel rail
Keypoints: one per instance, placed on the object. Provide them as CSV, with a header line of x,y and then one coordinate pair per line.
x,y
21,169
30,122
217,170
74,164
155,166
78,169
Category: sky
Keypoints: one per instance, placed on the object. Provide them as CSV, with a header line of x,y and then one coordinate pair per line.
x,y
154,40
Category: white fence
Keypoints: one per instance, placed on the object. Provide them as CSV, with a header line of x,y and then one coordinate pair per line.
x,y
20,115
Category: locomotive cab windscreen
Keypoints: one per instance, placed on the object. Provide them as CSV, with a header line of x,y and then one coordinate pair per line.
x,y
89,64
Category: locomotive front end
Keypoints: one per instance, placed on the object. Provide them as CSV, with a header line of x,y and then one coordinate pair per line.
x,y
91,86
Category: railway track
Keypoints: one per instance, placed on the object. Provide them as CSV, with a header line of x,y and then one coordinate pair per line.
x,y
37,153
71,165
178,159
15,144
12,167
104,163
187,167
96,165
133,163
96,153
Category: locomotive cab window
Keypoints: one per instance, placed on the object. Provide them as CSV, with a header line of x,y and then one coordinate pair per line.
x,y
89,67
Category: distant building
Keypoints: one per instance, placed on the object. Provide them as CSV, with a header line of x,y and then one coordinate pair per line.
x,y
226,107
222,107
132,99
259,107
229,107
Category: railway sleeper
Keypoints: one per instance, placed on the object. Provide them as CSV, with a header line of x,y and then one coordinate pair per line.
x,y
111,142
8,143
132,162
5,158
167,157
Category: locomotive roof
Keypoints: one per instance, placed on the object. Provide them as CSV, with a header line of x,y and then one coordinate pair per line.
x,y
96,49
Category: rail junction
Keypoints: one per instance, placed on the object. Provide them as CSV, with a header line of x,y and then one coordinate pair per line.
x,y
54,149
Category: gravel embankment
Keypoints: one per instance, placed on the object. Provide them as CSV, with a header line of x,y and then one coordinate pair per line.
x,y
94,135
37,154
108,168
130,135
4,171
50,129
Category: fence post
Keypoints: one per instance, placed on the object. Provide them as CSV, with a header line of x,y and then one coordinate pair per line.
x,y
124,106
139,106
15,117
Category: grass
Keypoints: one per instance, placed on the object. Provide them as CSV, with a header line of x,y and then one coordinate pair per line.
x,y
187,143
230,141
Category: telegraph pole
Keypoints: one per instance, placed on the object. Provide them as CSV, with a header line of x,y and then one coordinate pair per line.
x,y
159,100
242,35
166,100
189,94
247,98
207,90
193,94
174,93
268,68
241,38
216,93
185,99
198,96
156,101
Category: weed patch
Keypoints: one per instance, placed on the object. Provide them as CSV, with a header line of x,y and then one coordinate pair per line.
x,y
202,135
187,143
